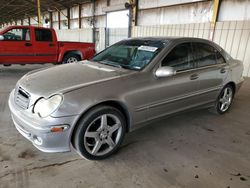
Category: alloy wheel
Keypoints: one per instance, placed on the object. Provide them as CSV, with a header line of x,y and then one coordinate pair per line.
x,y
225,99
102,134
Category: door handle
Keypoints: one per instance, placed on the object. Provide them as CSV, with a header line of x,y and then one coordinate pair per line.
x,y
51,44
194,76
223,70
28,44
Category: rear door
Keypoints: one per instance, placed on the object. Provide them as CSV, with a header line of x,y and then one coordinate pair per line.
x,y
16,46
176,93
211,69
45,46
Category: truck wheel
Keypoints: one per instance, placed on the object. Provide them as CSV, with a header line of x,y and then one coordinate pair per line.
x,y
99,133
71,58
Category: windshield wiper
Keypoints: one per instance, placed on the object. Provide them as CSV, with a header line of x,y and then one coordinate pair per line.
x,y
116,65
110,64
128,67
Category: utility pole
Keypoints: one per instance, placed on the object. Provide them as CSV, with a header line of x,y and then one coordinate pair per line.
x,y
39,13
93,21
216,9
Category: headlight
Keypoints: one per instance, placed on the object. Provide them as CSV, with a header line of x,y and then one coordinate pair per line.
x,y
45,107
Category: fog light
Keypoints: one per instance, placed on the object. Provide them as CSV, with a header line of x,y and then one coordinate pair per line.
x,y
37,140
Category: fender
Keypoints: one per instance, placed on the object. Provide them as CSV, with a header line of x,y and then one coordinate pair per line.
x,y
77,52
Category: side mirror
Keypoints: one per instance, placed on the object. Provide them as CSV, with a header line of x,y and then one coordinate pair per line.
x,y
162,72
1,37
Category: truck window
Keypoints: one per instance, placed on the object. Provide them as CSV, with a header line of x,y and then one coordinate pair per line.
x,y
44,35
17,34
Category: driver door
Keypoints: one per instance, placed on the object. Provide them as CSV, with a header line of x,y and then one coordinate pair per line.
x,y
16,46
175,93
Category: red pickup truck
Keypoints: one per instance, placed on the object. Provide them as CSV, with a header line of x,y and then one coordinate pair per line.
x,y
28,45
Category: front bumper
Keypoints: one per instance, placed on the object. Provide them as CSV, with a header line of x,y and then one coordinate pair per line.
x,y
38,130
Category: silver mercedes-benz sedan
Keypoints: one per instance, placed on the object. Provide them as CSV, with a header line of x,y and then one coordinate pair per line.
x,y
90,105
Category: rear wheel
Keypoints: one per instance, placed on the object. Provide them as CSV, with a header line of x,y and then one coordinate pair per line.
x,y
71,58
224,100
100,133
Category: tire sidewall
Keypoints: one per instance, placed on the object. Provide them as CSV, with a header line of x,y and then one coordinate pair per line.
x,y
83,124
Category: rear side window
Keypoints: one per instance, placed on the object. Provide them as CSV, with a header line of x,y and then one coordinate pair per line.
x,y
180,58
204,54
44,35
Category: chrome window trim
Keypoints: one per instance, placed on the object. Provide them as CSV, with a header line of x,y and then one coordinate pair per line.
x,y
199,68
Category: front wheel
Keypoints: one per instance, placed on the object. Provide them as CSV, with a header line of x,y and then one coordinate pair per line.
x,y
100,133
224,100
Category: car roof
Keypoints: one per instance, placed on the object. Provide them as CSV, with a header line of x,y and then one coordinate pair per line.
x,y
25,26
175,39
171,39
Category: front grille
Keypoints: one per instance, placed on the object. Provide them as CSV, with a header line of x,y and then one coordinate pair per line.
x,y
22,98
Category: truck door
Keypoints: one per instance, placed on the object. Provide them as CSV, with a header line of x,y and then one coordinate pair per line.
x,y
45,46
16,46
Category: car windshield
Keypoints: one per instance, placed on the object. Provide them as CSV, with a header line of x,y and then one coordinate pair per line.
x,y
130,54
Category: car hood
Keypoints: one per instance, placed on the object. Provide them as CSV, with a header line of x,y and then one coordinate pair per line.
x,y
68,77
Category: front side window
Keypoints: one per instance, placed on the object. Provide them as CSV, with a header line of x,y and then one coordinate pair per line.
x,y
204,54
44,35
180,58
130,54
17,35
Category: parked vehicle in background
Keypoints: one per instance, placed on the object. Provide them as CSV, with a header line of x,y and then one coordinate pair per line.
x,y
120,89
29,45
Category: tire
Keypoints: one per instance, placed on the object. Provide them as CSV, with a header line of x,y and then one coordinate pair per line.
x,y
71,58
224,100
99,133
